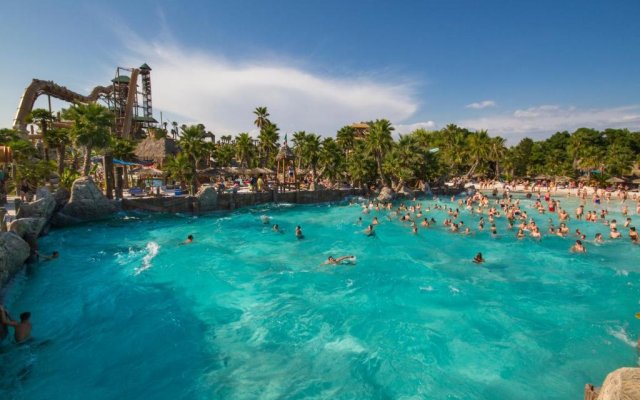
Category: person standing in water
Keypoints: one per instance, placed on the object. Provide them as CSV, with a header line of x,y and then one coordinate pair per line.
x,y
299,234
22,329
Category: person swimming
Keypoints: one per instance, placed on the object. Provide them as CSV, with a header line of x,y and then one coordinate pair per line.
x,y
335,261
478,259
578,247
265,219
188,241
299,234
276,228
369,231
53,256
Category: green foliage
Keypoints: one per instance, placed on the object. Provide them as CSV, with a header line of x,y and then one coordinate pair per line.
x,y
245,150
8,135
35,172
179,168
68,177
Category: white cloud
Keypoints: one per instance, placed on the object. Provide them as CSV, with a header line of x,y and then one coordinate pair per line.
x,y
222,94
481,105
402,129
542,121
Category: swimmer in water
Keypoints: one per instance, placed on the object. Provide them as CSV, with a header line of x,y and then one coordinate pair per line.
x,y
375,221
188,241
478,259
578,247
53,256
369,231
276,228
633,234
22,329
336,261
598,238
265,219
299,234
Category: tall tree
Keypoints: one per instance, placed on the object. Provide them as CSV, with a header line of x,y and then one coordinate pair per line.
x,y
192,144
59,138
244,149
345,139
311,153
268,142
262,117
91,128
379,142
43,119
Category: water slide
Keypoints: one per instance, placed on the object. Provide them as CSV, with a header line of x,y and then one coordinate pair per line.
x,y
39,87
131,98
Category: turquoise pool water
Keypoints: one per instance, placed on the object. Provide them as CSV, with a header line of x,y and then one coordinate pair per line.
x,y
246,313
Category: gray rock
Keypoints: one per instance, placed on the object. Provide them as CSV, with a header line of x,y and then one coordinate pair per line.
x,y
61,197
14,251
404,190
43,207
87,203
207,199
27,227
385,195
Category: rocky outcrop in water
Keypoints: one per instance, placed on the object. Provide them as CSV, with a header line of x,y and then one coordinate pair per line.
x,y
206,199
621,384
14,251
87,203
29,229
385,195
42,207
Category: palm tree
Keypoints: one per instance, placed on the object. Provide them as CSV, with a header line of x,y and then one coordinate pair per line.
x,y
192,143
43,118
180,168
330,160
345,138
244,149
224,154
59,138
498,152
478,149
299,138
378,143
262,117
311,152
268,141
91,128
174,131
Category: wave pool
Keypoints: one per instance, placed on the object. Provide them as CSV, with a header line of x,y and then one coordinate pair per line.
x,y
247,313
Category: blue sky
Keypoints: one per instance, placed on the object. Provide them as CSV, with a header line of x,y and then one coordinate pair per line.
x,y
516,68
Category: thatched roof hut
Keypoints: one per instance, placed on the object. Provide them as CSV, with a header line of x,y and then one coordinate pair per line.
x,y
157,150
285,153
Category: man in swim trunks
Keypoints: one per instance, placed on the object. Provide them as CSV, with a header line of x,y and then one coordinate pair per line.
x,y
578,247
336,261
22,328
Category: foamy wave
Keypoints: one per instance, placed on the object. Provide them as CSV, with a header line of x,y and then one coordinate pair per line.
x,y
621,334
348,344
152,251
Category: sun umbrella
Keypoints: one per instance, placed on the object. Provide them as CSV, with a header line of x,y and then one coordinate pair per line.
x,y
615,180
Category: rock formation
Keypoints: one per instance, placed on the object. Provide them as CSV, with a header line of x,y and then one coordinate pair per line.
x,y
13,253
385,195
87,203
623,383
206,199
42,207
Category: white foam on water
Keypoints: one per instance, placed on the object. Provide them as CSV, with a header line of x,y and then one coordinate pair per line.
x,y
348,344
621,334
152,251
426,288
